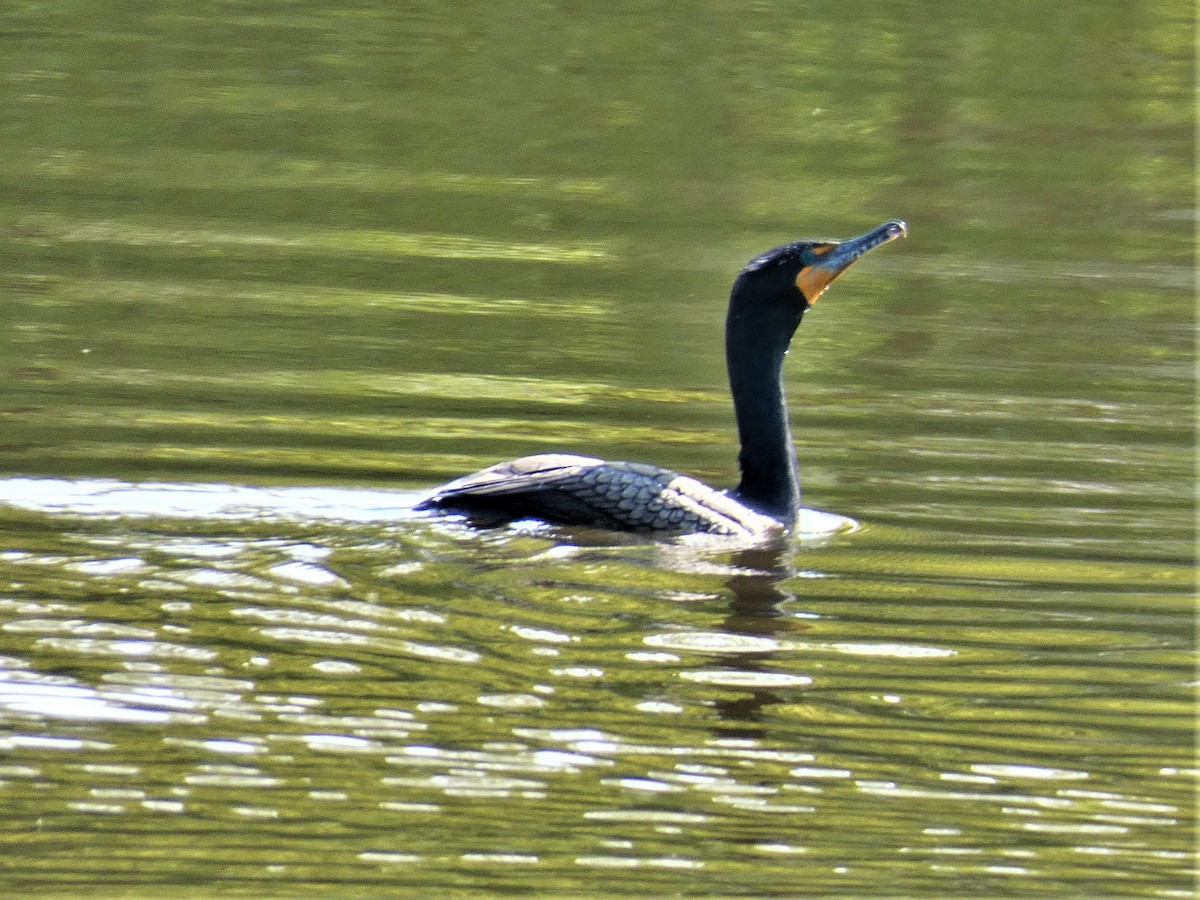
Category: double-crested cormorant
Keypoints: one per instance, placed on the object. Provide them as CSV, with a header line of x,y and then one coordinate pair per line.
x,y
768,299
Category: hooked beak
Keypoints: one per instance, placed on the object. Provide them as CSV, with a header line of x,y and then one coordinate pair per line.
x,y
836,257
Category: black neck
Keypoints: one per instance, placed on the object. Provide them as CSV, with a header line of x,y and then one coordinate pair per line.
x,y
755,345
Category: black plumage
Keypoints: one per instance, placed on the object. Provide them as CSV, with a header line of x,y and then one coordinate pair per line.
x,y
768,300
583,490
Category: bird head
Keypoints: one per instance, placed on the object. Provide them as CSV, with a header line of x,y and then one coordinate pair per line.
x,y
799,272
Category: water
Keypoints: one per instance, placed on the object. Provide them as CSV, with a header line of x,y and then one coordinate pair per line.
x,y
269,273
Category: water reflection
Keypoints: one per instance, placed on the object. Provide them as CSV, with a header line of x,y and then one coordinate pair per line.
x,y
269,669
756,611
204,501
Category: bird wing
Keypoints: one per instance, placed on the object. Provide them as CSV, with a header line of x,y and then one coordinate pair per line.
x,y
519,476
587,490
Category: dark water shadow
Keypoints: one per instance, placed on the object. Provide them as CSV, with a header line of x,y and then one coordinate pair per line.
x,y
755,608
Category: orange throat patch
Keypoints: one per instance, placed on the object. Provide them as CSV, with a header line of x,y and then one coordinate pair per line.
x,y
813,280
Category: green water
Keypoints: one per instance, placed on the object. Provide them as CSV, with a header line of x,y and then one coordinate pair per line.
x,y
267,270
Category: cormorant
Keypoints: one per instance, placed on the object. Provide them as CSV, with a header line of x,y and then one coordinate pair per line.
x,y
769,297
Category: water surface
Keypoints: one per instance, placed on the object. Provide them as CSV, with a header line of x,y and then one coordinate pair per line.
x,y
269,273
